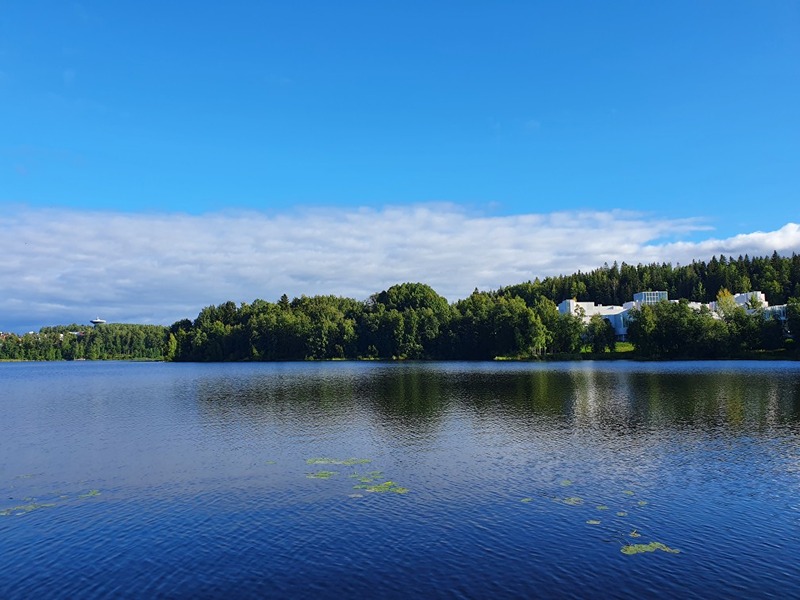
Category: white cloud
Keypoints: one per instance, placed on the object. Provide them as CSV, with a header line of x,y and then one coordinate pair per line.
x,y
67,265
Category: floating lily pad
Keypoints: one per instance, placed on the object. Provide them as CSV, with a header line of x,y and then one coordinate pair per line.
x,y
348,462
651,547
270,462
356,461
321,461
321,475
526,500
90,494
592,522
642,503
602,507
566,482
366,477
386,486
629,492
573,501
622,513
23,509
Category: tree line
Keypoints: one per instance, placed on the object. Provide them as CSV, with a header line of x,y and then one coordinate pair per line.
x,y
674,330
412,321
777,276
75,342
407,321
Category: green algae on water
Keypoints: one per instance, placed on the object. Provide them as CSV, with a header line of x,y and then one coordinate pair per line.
x,y
622,513
602,507
366,477
573,501
642,503
321,461
593,522
651,547
348,462
321,475
629,492
90,494
526,500
23,509
386,486
566,482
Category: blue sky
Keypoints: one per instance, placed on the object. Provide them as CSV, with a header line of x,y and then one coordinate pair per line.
x,y
679,113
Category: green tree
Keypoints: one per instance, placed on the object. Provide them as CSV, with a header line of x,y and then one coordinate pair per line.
x,y
600,334
793,319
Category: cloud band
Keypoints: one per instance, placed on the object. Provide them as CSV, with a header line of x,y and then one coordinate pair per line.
x,y
67,265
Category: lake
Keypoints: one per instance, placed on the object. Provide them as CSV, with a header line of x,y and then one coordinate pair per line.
x,y
396,480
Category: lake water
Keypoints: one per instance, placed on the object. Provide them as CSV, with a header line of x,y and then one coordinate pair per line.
x,y
508,480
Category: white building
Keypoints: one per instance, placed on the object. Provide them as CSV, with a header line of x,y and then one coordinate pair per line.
x,y
745,300
619,316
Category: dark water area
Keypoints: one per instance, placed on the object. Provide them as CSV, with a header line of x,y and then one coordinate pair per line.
x,y
508,480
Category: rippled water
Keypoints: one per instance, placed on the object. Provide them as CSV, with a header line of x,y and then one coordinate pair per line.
x,y
524,480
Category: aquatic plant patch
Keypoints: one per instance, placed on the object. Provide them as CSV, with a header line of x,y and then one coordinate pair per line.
x,y
347,462
366,477
385,487
572,501
23,509
321,475
651,547
53,499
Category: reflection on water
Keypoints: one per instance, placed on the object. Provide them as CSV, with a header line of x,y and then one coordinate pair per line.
x,y
515,479
420,395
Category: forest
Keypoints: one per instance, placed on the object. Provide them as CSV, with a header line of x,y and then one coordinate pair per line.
x,y
412,321
114,341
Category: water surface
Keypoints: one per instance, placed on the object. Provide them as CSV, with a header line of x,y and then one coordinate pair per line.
x,y
523,480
